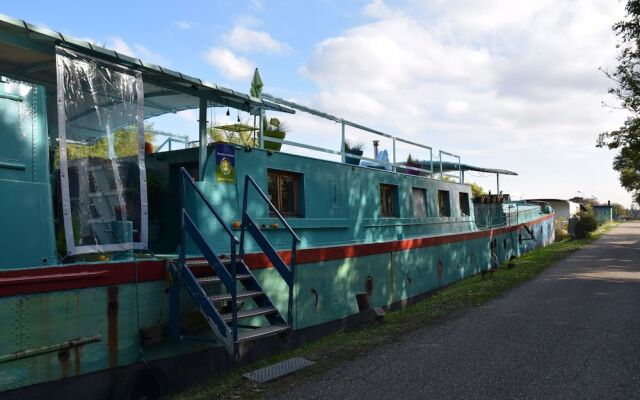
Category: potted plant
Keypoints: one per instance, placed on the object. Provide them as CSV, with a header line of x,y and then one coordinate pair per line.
x,y
355,149
275,129
411,162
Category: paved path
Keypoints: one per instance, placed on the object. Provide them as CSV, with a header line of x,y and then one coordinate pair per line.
x,y
571,333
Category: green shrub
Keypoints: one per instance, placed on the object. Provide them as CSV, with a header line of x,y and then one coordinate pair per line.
x,y
585,225
561,234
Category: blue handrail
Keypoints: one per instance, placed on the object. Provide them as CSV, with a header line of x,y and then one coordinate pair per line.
x,y
188,226
287,273
187,178
249,179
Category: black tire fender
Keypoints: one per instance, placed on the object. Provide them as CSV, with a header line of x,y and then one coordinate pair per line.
x,y
139,382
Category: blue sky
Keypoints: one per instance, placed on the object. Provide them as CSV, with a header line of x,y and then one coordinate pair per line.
x,y
179,35
505,84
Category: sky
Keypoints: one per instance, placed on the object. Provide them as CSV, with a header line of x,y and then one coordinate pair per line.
x,y
515,85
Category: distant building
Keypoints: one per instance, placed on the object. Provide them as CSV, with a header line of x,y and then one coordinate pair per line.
x,y
563,208
603,214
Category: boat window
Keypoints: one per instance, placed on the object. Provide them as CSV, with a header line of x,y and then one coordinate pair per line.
x,y
443,203
419,196
464,204
283,191
388,196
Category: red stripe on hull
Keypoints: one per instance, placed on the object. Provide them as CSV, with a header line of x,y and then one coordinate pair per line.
x,y
36,280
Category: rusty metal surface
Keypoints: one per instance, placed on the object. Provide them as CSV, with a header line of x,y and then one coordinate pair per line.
x,y
113,308
74,343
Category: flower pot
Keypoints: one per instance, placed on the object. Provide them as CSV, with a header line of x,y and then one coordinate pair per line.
x,y
353,160
272,145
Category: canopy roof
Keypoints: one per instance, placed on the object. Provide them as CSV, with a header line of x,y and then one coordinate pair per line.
x,y
451,166
28,52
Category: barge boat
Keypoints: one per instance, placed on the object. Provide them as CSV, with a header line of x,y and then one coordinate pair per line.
x,y
129,268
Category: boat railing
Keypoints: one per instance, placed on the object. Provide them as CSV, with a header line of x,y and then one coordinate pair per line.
x,y
392,165
442,174
171,138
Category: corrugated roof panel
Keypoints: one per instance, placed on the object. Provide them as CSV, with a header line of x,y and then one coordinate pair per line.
x,y
128,59
152,66
48,33
104,51
191,79
210,85
171,72
80,43
13,21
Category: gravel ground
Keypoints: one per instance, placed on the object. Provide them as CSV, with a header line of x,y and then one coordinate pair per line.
x,y
571,333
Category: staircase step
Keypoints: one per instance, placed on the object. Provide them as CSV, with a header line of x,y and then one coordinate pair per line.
x,y
196,263
240,295
258,333
216,279
250,313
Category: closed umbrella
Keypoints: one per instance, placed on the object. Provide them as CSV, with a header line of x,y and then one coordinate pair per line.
x,y
256,85
256,91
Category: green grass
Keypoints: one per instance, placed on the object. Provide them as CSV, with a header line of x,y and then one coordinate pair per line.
x,y
342,346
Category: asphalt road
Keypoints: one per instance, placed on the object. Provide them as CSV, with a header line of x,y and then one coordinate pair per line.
x,y
571,333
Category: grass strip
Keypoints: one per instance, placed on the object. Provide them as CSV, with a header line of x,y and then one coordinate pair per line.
x,y
343,346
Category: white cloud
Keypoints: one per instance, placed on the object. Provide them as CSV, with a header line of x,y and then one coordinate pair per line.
x,y
184,25
228,64
379,9
457,107
507,84
135,50
188,115
257,5
248,40
118,44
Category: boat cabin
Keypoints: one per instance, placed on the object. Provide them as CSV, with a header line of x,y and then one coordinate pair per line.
x,y
86,177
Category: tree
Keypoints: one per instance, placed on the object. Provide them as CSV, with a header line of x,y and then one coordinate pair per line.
x,y
627,77
589,202
477,190
618,210
125,144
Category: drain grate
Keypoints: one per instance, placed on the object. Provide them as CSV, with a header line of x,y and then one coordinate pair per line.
x,y
277,370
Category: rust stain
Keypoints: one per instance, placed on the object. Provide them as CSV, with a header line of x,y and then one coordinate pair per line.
x,y
63,358
112,325
76,353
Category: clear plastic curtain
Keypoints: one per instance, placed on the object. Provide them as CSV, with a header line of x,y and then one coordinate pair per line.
x,y
101,155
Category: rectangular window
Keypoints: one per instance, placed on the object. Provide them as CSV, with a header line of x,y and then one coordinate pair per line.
x,y
419,196
464,204
443,203
283,191
388,195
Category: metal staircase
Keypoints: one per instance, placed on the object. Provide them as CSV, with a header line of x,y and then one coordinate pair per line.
x,y
239,296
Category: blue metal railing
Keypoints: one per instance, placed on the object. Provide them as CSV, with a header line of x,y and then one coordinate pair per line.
x,y
188,226
287,273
